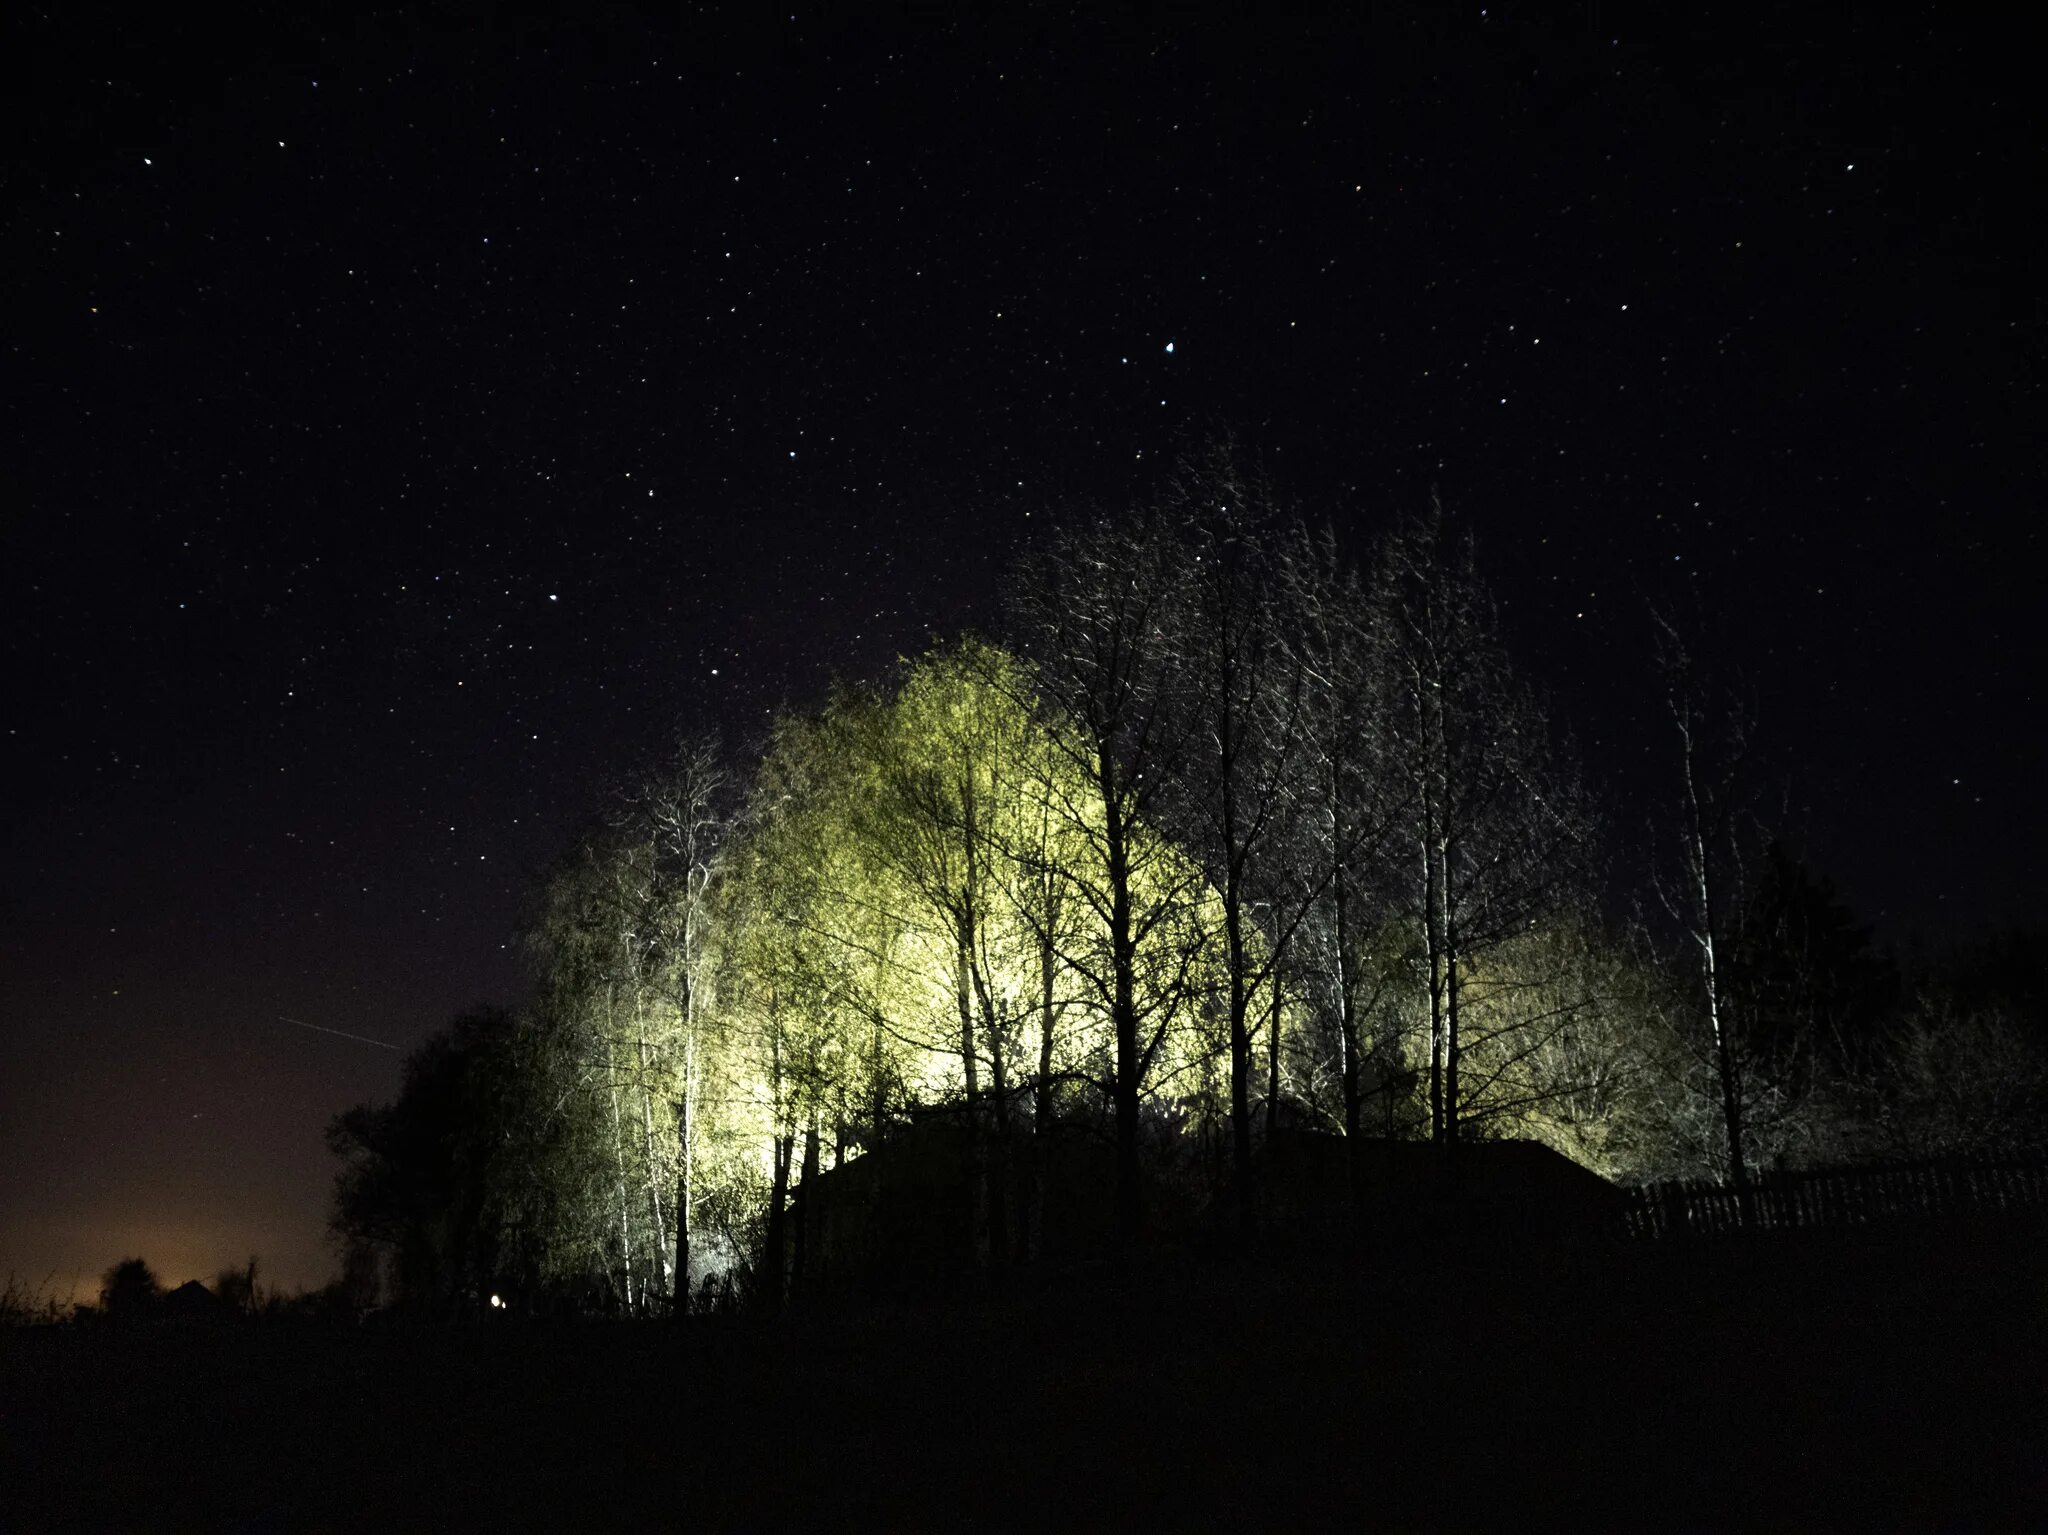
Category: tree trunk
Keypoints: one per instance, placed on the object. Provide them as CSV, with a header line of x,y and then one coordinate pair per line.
x,y
1240,1069
990,1129
1433,943
878,1096
619,1161
977,1140
686,1152
660,1254
1041,1100
963,1000
1241,1173
806,1212
683,1292
999,1143
1453,1107
1124,1020
774,1268
1273,1060
1704,915
1347,1035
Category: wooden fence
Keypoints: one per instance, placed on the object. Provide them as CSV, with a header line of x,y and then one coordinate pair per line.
x,y
1838,1196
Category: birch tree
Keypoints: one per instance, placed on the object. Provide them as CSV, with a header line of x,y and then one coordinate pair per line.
x,y
1712,740
1498,831
1246,691
685,810
1349,956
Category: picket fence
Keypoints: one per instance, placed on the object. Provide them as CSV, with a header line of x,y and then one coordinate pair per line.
x,y
1838,1196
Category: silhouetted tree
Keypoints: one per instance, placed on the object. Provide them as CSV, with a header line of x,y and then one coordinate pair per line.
x,y
237,1288
1785,997
1245,693
1097,608
129,1291
1812,987
420,1176
1705,894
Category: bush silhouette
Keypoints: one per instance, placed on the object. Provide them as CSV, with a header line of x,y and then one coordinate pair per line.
x,y
129,1291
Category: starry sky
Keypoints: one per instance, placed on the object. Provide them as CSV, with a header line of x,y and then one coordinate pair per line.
x,y
412,415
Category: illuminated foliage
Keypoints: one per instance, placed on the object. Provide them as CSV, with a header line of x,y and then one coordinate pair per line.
x,y
1271,844
911,928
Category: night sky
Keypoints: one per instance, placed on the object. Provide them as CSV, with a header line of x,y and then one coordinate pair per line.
x,y
410,419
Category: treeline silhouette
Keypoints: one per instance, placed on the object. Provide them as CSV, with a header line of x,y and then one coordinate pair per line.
x,y
1225,833
130,1292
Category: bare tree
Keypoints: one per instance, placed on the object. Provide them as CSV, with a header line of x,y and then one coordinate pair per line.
x,y
1097,609
1247,694
1347,957
1498,830
1957,1080
686,810
1713,746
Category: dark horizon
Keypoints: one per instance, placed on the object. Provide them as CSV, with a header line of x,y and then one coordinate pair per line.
x,y
416,419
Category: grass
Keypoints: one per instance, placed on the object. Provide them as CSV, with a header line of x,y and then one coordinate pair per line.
x,y
30,1305
1833,1380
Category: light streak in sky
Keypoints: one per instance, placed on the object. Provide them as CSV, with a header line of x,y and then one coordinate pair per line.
x,y
361,1039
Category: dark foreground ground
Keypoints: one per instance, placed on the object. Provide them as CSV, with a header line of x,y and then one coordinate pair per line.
x,y
1894,1380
